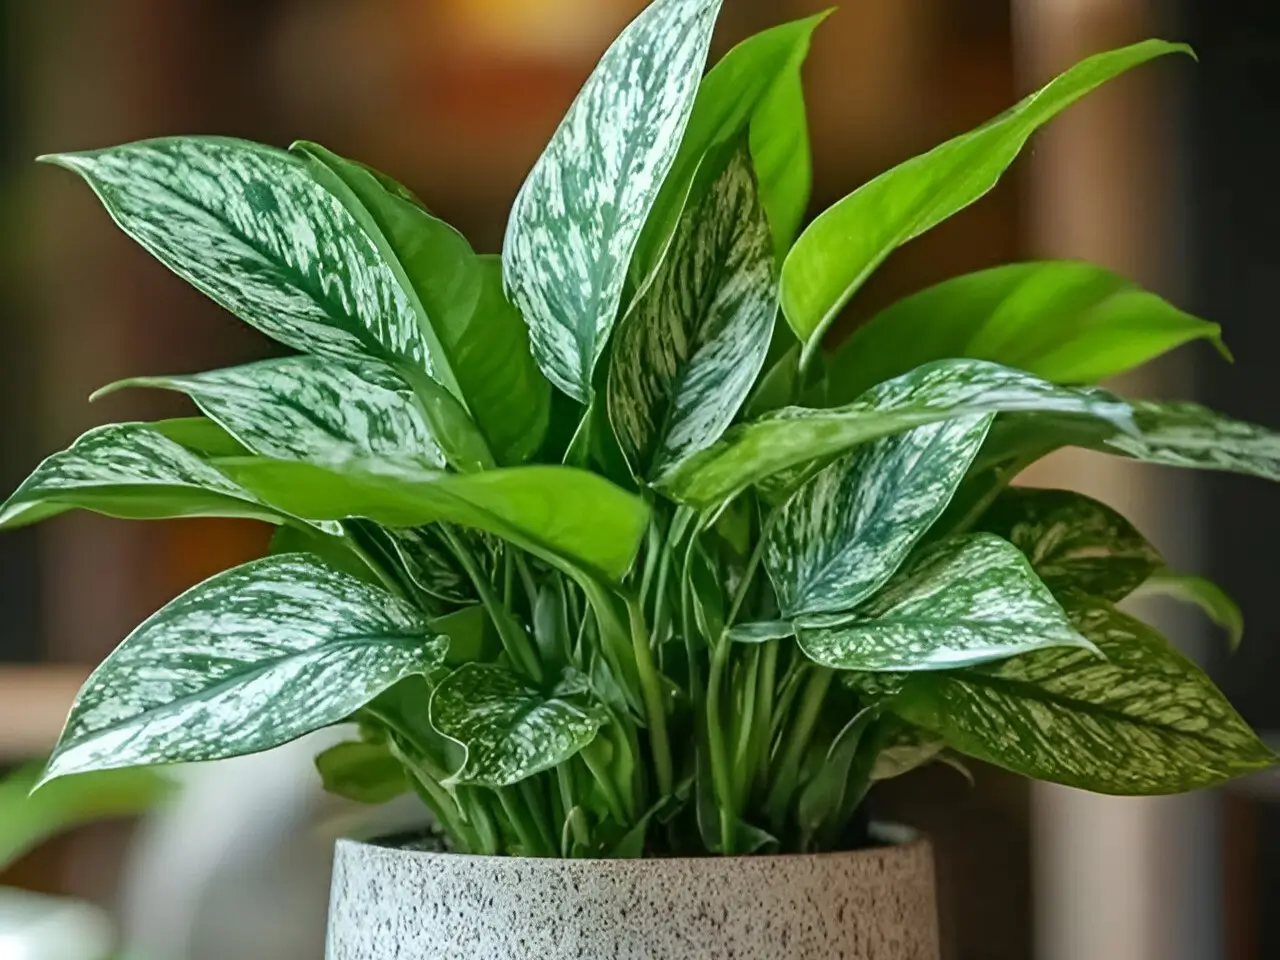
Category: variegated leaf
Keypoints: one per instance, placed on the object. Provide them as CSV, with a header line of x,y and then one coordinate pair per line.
x,y
525,505
510,729
1141,719
249,226
308,408
248,660
959,602
688,351
905,748
1213,601
130,471
938,391
844,533
1074,542
578,217
428,563
762,632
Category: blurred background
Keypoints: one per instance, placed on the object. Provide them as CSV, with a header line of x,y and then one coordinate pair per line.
x,y
1167,175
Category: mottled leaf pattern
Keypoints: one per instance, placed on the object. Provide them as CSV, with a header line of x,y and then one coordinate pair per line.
x,y
687,353
1202,592
938,391
578,217
249,226
307,408
959,602
1073,541
128,470
429,564
844,533
248,660
1189,435
510,729
906,748
525,505
1141,719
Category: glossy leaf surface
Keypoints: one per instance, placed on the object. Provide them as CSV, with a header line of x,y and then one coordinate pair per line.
x,y
843,534
248,660
510,729
842,248
958,602
578,217
754,451
686,355
1140,719
1066,321
1201,592
1074,542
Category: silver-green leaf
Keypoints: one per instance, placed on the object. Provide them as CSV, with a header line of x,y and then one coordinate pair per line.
x,y
943,390
1073,541
248,660
1141,719
308,408
959,602
688,351
509,728
846,531
578,217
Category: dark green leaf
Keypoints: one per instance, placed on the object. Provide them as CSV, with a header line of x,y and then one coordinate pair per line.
x,y
823,797
248,660
478,341
363,772
846,531
578,217
1066,321
1215,602
687,353
843,247
939,391
525,505
512,730
1074,542
1141,719
959,602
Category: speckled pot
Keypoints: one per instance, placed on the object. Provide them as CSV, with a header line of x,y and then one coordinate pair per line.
x,y
397,904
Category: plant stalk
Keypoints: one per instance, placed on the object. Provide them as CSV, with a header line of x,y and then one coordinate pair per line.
x,y
651,689
797,742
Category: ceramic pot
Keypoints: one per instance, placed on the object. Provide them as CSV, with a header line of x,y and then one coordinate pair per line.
x,y
392,903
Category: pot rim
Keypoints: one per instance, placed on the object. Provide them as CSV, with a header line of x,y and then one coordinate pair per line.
x,y
894,839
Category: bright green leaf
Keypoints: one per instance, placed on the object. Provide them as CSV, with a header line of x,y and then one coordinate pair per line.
x,y
1215,602
248,660
510,729
363,772
578,217
959,602
1066,321
201,436
844,533
686,355
754,451
1141,719
842,248
1074,542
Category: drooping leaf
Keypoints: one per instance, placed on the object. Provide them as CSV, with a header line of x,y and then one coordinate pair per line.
x,y
428,563
128,470
824,797
478,341
1215,602
754,451
1141,719
754,88
525,505
688,351
578,217
1073,541
248,660
510,729
958,602
843,534
363,772
1066,321
843,247
308,408
906,748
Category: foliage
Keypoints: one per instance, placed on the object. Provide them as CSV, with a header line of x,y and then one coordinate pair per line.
x,y
705,595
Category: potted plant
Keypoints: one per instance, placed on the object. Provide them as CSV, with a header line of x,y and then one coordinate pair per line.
x,y
606,559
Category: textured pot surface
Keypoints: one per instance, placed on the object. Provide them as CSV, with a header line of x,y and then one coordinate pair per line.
x,y
397,904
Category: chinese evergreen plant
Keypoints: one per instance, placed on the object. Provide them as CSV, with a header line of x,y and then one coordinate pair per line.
x,y
596,547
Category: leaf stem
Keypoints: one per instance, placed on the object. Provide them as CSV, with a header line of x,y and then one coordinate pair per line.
x,y
518,815
651,689
797,742
721,781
